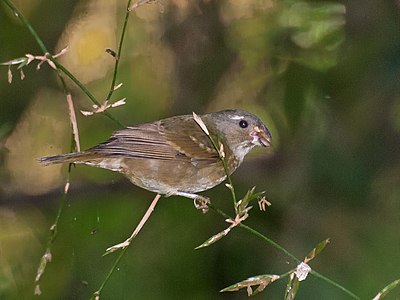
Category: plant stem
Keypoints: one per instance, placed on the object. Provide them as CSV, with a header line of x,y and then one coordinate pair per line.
x,y
271,242
124,245
119,51
46,258
53,228
20,16
228,176
282,249
286,252
85,90
231,186
46,52
97,293
330,281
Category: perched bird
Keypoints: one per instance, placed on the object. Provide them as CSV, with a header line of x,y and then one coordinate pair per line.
x,y
174,156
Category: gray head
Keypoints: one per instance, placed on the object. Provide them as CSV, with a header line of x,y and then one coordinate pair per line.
x,y
241,130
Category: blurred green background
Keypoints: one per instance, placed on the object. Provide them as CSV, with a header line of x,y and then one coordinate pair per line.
x,y
324,77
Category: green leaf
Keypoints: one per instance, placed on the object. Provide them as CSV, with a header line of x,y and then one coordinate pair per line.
x,y
214,238
17,61
317,29
387,289
250,195
314,252
292,287
23,63
261,280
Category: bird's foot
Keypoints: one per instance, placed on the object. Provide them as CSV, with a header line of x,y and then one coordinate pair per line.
x,y
201,203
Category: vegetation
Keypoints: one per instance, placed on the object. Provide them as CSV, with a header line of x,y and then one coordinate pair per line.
x,y
322,75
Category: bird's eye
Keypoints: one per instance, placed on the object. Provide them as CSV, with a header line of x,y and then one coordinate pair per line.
x,y
243,123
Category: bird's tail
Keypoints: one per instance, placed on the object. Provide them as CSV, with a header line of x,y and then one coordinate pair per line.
x,y
75,157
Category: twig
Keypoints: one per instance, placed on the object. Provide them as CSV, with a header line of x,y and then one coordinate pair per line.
x,y
124,245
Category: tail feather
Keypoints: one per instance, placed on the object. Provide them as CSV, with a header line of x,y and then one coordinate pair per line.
x,y
75,157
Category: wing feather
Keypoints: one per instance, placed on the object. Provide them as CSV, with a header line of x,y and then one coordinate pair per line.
x,y
176,139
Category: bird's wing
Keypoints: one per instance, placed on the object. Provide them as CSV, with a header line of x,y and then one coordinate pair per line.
x,y
165,140
140,141
185,135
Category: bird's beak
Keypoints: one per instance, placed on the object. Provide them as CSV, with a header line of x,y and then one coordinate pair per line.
x,y
261,137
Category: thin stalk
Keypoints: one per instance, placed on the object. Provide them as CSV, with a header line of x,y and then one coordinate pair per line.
x,y
96,294
219,211
46,52
257,233
53,228
337,285
85,90
59,213
221,154
286,252
20,16
282,249
119,51
124,246
46,258
269,241
228,176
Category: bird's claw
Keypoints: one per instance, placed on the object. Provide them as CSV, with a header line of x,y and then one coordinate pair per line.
x,y
202,203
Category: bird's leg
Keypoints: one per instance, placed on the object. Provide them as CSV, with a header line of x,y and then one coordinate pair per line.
x,y
200,202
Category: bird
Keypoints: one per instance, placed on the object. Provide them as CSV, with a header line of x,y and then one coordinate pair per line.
x,y
176,155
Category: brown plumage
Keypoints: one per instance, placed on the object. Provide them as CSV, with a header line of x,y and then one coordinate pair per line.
x,y
174,156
